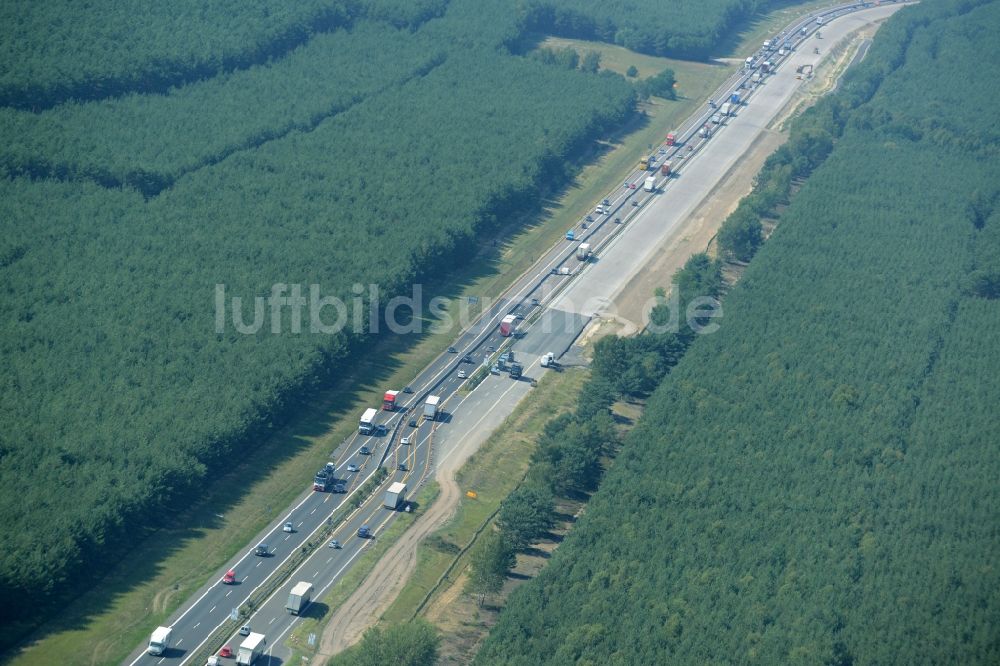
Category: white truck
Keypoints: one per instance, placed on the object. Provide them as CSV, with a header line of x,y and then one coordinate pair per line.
x,y
583,251
727,109
395,496
299,598
431,407
367,424
548,361
251,648
650,185
159,642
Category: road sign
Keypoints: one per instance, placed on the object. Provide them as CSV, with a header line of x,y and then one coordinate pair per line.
x,y
234,614
312,639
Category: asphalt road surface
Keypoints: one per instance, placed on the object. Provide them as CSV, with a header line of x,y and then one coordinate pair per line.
x,y
556,308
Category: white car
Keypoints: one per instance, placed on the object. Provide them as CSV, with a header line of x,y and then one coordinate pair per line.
x,y
405,440
353,468
599,210
245,630
288,528
461,374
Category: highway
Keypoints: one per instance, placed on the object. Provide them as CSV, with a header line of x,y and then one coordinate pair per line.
x,y
556,308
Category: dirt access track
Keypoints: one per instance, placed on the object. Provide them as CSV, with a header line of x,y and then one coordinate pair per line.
x,y
693,234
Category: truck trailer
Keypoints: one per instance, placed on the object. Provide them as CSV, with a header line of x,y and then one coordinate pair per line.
x,y
507,325
367,424
159,642
395,496
583,251
299,598
650,185
251,648
431,407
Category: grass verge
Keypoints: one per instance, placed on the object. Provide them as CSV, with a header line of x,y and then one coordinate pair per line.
x,y
491,473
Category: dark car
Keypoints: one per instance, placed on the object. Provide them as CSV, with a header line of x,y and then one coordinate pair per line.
x,y
468,359
365,451
261,550
452,350
364,532
413,423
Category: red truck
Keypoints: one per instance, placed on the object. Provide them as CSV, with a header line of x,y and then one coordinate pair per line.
x,y
389,401
671,139
665,169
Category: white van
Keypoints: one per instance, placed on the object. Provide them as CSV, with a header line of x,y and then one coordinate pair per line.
x,y
159,642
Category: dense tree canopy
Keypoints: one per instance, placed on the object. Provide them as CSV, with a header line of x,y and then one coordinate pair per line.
x,y
148,141
116,386
411,644
685,28
60,50
154,152
490,561
816,482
